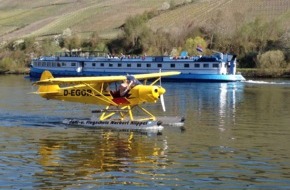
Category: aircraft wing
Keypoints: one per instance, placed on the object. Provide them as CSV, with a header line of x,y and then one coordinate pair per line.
x,y
82,80
156,75
79,80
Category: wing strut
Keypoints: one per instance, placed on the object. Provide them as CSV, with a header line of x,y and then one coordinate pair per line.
x,y
123,112
102,97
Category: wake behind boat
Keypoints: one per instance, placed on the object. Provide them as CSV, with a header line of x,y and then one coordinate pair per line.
x,y
216,67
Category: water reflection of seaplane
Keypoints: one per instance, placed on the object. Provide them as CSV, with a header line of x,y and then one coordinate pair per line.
x,y
86,160
118,111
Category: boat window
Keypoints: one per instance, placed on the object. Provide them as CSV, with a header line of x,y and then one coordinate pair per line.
x,y
215,65
119,64
172,65
206,65
159,59
196,65
129,65
53,64
58,64
63,64
148,65
110,65
102,64
49,64
73,64
93,64
43,64
186,65
159,65
138,64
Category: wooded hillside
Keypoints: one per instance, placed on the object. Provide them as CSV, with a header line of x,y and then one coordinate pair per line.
x,y
29,18
257,31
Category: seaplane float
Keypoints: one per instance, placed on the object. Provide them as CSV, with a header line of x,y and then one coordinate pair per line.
x,y
119,96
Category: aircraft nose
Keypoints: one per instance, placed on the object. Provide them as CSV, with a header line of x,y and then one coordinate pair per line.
x,y
148,93
161,90
158,91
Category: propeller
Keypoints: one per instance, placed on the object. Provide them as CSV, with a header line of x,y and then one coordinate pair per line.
x,y
161,96
162,102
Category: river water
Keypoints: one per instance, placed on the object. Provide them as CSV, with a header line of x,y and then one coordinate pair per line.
x,y
236,136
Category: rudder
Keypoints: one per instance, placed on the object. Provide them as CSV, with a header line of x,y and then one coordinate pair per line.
x,y
47,88
46,75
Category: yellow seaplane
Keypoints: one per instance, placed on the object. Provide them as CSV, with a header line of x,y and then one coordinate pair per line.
x,y
119,100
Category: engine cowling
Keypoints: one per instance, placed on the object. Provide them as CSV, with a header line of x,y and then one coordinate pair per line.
x,y
149,93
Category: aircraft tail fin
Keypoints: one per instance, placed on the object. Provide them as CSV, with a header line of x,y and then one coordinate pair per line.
x,y
47,88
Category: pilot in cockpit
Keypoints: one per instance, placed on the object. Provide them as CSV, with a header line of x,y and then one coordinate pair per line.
x,y
128,83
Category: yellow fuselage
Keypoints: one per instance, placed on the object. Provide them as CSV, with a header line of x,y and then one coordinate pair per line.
x,y
97,94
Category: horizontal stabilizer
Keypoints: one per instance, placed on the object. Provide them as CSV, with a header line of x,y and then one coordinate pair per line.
x,y
52,92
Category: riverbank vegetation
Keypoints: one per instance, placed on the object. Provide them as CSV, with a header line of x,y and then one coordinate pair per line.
x,y
262,45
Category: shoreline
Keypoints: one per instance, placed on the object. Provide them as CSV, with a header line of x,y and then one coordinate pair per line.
x,y
15,72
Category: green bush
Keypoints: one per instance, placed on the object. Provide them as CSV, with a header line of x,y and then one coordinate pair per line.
x,y
7,64
272,62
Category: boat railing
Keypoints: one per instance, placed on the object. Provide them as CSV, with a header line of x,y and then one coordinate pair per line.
x,y
80,53
101,56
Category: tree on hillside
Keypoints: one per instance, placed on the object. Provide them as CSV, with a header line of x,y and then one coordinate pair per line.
x,y
281,42
47,47
192,43
254,38
136,33
92,43
72,42
160,43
